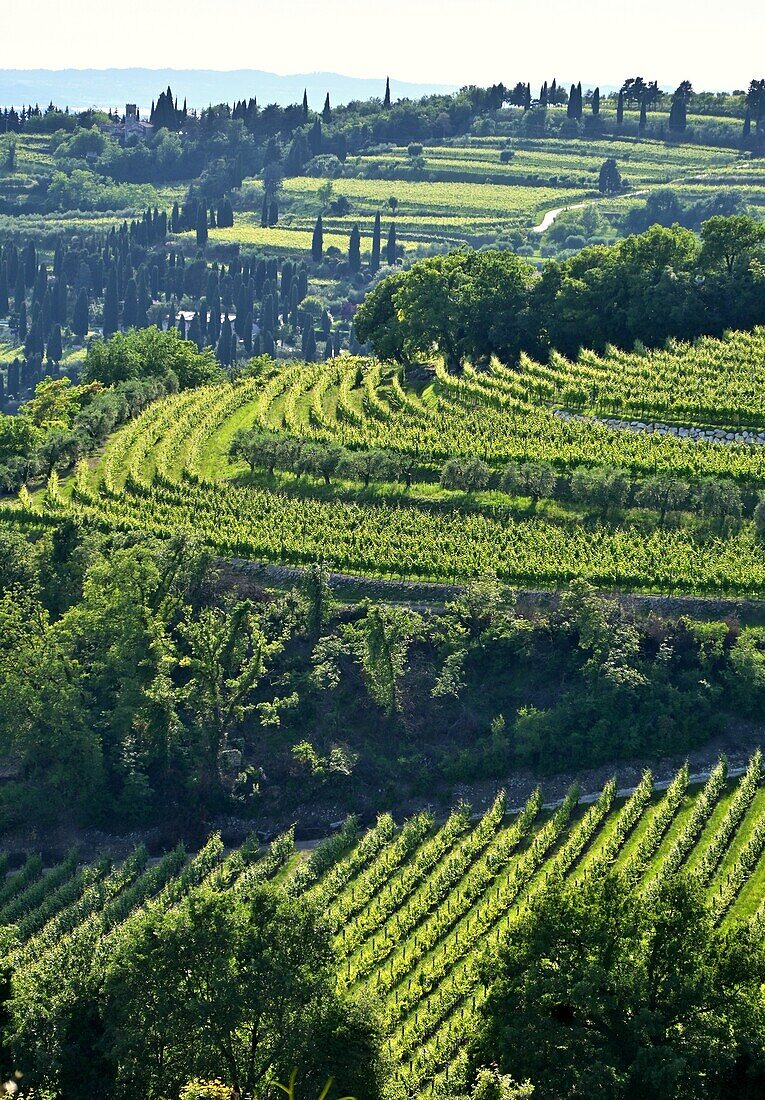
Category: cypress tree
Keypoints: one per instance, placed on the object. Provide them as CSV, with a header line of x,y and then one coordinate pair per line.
x,y
386,100
391,248
578,114
4,303
195,332
677,114
130,306
22,321
314,138
202,233
46,313
20,292
326,114
223,350
214,324
527,98
30,263
309,352
643,115
14,379
80,315
60,301
620,109
111,303
354,250
55,349
374,260
305,103
273,212
317,244
596,102
571,106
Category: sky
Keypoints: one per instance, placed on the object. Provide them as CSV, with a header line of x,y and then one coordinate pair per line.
x,y
715,45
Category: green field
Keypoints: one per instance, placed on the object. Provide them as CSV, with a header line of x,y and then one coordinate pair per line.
x,y
413,906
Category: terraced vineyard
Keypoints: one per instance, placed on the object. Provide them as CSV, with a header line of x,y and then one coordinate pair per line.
x,y
168,471
413,907
712,382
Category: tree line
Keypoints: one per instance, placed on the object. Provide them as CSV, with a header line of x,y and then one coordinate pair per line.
x,y
470,306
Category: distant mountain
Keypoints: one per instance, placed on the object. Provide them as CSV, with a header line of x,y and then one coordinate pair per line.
x,y
81,88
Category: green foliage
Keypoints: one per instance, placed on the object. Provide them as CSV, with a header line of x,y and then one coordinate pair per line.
x,y
150,353
598,990
477,305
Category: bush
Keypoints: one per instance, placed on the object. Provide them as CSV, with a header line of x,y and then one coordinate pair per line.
x,y
205,1090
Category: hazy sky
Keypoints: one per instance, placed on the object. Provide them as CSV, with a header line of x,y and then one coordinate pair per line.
x,y
716,45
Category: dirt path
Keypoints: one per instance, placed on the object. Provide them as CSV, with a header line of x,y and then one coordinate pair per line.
x,y
551,215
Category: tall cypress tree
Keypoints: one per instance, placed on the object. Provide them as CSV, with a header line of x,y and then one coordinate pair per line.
x,y
326,114
55,349
111,303
571,106
620,109
305,103
391,248
317,244
374,260
80,316
386,101
223,350
20,292
309,350
677,114
202,232
354,250
596,102
130,306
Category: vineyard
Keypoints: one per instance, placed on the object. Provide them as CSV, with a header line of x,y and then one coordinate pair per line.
x,y
169,470
413,907
718,382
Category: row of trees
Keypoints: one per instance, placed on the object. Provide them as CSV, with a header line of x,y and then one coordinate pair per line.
x,y
603,490
354,246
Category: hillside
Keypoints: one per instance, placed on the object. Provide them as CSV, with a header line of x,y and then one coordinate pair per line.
x,y
558,495
412,907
